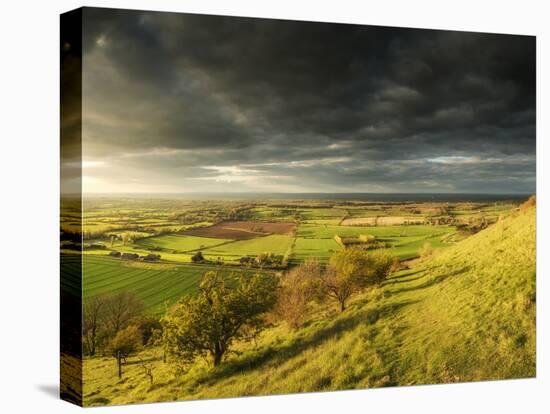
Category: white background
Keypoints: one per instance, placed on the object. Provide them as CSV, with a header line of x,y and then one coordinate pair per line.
x,y
29,158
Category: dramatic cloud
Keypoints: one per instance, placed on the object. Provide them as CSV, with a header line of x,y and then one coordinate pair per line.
x,y
190,103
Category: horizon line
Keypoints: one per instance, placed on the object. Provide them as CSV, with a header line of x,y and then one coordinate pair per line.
x,y
294,192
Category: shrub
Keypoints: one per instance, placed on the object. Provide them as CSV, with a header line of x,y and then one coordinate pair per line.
x,y
297,290
197,257
382,264
396,265
246,260
147,325
426,250
530,203
351,271
126,341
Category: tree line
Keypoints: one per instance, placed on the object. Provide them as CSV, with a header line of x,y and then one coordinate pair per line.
x,y
230,309
115,320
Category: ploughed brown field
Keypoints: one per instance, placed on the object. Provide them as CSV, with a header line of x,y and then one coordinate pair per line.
x,y
242,230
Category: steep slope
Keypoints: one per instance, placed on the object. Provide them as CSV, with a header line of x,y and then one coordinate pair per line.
x,y
466,314
476,317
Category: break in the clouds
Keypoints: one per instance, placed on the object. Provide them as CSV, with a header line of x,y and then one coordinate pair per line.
x,y
190,103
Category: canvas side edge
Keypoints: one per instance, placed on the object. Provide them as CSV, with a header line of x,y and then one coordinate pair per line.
x,y
71,311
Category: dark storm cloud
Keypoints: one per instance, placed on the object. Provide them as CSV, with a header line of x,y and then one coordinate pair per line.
x,y
195,100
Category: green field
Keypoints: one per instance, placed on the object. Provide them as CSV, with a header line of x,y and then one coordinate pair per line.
x,y
407,247
275,243
465,314
169,256
381,232
179,242
313,240
405,241
321,213
154,283
320,249
273,214
156,225
330,222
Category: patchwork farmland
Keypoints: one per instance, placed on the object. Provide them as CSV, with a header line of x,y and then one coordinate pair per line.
x,y
410,311
160,248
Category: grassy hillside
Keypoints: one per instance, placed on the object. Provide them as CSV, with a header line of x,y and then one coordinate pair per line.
x,y
466,314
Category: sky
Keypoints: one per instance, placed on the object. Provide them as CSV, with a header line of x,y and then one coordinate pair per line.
x,y
189,103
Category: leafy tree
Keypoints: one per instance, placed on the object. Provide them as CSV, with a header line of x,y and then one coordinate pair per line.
x,y
222,312
126,341
351,271
297,290
147,325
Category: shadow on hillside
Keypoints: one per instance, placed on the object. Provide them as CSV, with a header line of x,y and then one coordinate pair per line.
x,y
403,275
141,361
430,281
396,281
279,354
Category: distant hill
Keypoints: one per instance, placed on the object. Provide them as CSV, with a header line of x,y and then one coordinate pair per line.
x,y
466,314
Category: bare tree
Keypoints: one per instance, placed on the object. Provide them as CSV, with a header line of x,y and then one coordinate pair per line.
x,y
297,290
147,370
120,309
94,309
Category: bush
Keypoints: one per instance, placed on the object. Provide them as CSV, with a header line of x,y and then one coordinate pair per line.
x,y
246,260
530,203
197,257
269,259
147,325
382,265
351,271
126,341
426,250
297,290
396,265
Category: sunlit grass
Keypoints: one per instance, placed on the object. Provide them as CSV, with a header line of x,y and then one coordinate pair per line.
x,y
465,314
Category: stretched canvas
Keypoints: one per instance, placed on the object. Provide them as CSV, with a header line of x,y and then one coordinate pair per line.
x,y
257,206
